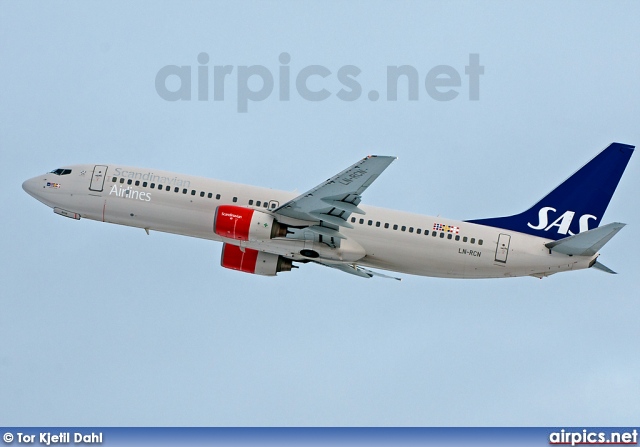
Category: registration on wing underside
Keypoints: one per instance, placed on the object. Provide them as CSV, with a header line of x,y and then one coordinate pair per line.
x,y
334,200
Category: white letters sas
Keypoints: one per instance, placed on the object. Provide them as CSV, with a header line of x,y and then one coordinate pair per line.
x,y
563,222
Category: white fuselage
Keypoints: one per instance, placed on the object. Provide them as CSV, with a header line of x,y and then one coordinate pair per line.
x,y
391,240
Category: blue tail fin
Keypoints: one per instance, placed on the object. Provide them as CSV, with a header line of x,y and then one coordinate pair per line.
x,y
576,205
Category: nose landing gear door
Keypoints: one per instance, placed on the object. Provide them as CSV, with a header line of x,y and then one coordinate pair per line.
x,y
98,177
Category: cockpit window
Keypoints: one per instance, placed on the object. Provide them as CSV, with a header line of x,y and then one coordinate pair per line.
x,y
61,171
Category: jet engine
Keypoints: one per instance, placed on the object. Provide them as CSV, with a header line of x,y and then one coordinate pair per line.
x,y
246,224
253,261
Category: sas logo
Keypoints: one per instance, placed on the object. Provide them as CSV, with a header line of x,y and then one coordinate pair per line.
x,y
563,223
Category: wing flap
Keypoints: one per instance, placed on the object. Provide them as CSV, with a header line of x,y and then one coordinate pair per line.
x,y
342,205
336,219
326,231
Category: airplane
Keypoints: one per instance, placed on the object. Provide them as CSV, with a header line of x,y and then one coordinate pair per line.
x,y
264,231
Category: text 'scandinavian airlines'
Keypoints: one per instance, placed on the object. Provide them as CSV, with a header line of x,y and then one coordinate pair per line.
x,y
264,231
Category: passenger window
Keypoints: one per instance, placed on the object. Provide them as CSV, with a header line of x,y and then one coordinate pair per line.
x,y
209,195
404,228
201,193
370,223
251,202
377,223
386,225
480,242
235,199
258,203
114,179
144,184
395,226
449,236
167,188
193,192
184,191
129,182
122,180
457,238
361,221
434,234
153,185
137,182
176,189
160,187
441,235
353,220
464,239
419,231
273,206
218,196
265,205
473,240
410,229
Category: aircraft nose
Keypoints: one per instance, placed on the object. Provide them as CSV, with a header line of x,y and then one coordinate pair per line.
x,y
30,186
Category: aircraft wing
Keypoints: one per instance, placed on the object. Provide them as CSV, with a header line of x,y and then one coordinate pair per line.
x,y
330,204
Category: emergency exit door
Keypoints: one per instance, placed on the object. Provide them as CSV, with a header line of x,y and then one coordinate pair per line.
x,y
502,251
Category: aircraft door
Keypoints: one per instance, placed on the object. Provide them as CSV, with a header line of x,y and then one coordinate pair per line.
x,y
502,251
98,177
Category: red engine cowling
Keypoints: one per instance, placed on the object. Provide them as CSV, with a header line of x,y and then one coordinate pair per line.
x,y
244,224
253,261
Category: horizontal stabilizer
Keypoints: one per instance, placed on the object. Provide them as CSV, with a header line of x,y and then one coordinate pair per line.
x,y
586,243
603,267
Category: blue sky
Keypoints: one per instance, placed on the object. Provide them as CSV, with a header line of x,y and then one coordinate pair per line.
x,y
104,325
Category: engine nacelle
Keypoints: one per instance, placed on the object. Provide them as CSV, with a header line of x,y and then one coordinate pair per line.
x,y
253,261
246,224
